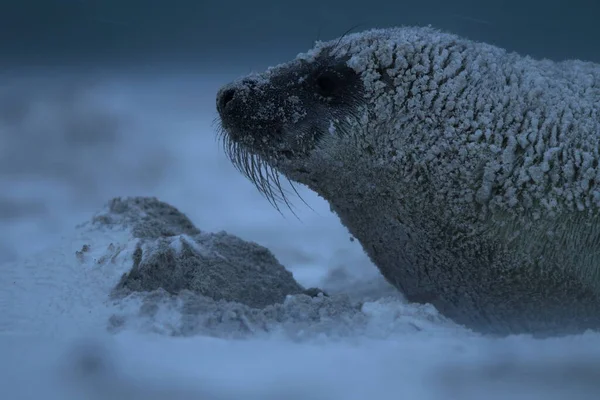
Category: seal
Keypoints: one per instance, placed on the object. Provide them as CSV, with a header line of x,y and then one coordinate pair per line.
x,y
468,173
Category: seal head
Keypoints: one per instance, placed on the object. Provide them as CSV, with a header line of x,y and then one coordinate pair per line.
x,y
282,114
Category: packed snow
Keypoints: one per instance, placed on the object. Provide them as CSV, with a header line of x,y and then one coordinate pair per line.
x,y
74,141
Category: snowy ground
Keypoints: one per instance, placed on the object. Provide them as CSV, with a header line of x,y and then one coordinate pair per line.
x,y
71,142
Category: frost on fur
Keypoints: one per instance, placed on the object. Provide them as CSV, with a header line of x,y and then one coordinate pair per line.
x,y
515,130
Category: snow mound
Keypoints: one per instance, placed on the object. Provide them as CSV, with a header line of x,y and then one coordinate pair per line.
x,y
142,265
174,255
186,282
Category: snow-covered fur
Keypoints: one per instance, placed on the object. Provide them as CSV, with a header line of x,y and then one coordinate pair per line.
x,y
469,174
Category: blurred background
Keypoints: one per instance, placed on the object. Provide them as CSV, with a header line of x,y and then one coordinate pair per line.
x,y
231,33
100,98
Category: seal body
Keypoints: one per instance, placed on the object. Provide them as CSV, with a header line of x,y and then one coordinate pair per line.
x,y
469,174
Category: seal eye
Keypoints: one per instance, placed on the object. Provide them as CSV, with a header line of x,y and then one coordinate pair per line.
x,y
327,83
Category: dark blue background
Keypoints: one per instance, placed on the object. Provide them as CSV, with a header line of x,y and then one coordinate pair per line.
x,y
211,32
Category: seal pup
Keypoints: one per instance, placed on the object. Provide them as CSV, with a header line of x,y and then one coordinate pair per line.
x,y
468,173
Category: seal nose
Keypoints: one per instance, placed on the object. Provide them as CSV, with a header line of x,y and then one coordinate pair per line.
x,y
224,97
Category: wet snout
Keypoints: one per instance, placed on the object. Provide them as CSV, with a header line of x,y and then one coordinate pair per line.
x,y
250,109
224,97
233,100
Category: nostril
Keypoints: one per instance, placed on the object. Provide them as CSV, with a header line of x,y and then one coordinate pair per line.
x,y
226,97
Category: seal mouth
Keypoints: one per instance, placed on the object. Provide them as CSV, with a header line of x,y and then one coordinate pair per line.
x,y
269,143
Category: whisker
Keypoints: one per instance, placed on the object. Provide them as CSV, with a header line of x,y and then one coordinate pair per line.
x,y
263,176
344,35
